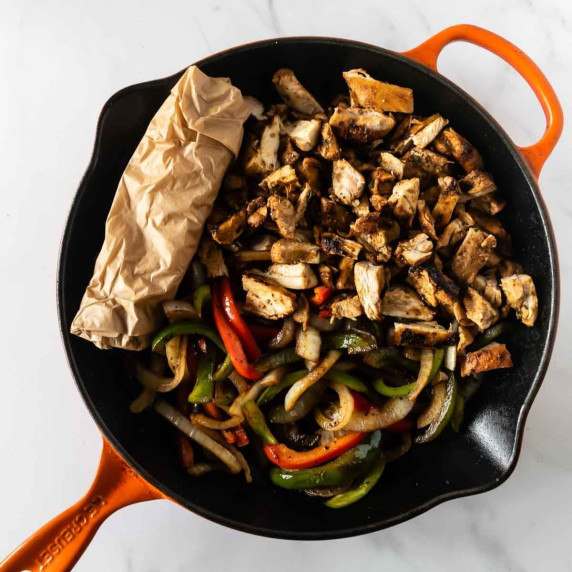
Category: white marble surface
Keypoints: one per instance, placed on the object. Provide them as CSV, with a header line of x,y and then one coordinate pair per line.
x,y
59,62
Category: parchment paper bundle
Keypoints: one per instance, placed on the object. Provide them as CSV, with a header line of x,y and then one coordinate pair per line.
x,y
162,202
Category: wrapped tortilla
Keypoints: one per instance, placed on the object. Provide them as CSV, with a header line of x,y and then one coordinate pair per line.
x,y
160,207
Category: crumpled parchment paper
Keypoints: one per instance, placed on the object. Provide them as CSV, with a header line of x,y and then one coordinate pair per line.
x,y
160,207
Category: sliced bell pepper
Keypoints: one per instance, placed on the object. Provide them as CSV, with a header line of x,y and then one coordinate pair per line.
x,y
265,333
344,469
288,381
321,294
353,495
204,386
287,458
201,296
232,343
383,357
325,312
224,290
390,391
360,403
354,341
347,379
402,426
276,359
255,418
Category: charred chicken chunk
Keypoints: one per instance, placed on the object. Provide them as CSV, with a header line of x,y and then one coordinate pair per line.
x,y
360,125
326,274
404,198
347,182
329,148
477,184
292,251
490,204
425,132
370,283
489,288
269,143
282,178
334,244
450,142
392,164
283,214
257,211
493,356
375,232
403,302
346,306
345,279
266,298
520,293
424,335
433,286
334,216
426,220
305,134
479,310
294,276
211,256
229,228
415,251
423,163
471,256
366,91
294,94
448,197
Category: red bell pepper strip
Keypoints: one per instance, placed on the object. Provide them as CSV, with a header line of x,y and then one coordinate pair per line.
x,y
402,426
186,453
265,333
231,341
287,458
325,312
241,436
235,435
360,402
321,294
224,290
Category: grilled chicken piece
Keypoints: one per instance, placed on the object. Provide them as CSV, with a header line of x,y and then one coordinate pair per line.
x,y
269,143
256,107
345,279
347,182
250,158
472,255
302,203
284,178
520,293
366,91
425,218
508,268
493,356
229,228
262,243
346,306
329,148
309,172
294,276
294,94
466,338
211,257
424,133
392,164
378,202
403,302
289,154
266,298
494,226
479,310
415,251
283,214
404,199
305,134
453,233
477,184
257,211
424,335
360,125
381,182
448,197
433,286
334,216
370,283
333,244
420,162
375,232
327,275
450,142
292,251
489,288
302,313
362,207
490,204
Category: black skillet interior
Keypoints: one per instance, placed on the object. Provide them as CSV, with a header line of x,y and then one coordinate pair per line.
x,y
478,459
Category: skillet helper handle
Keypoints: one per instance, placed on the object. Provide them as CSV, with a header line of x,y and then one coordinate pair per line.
x,y
58,545
428,53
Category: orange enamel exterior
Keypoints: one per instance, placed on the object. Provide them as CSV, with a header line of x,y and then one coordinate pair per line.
x,y
59,544
428,53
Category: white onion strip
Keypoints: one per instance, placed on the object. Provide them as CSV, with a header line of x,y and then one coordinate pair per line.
x,y
426,362
184,425
284,336
344,412
217,425
392,411
310,379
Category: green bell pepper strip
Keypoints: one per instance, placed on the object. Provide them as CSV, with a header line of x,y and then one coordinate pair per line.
x,y
204,386
490,335
344,469
458,413
287,381
390,356
353,495
389,391
435,429
338,376
353,341
438,356
193,327
255,418
201,297
276,359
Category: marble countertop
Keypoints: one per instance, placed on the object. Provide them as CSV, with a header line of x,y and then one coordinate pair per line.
x,y
59,62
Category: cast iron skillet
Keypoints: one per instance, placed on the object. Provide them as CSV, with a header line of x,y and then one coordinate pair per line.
x,y
138,461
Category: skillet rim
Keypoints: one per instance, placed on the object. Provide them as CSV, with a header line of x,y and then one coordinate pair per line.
x,y
365,528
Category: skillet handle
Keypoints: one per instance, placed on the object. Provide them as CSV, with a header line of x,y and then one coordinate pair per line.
x,y
58,545
428,53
